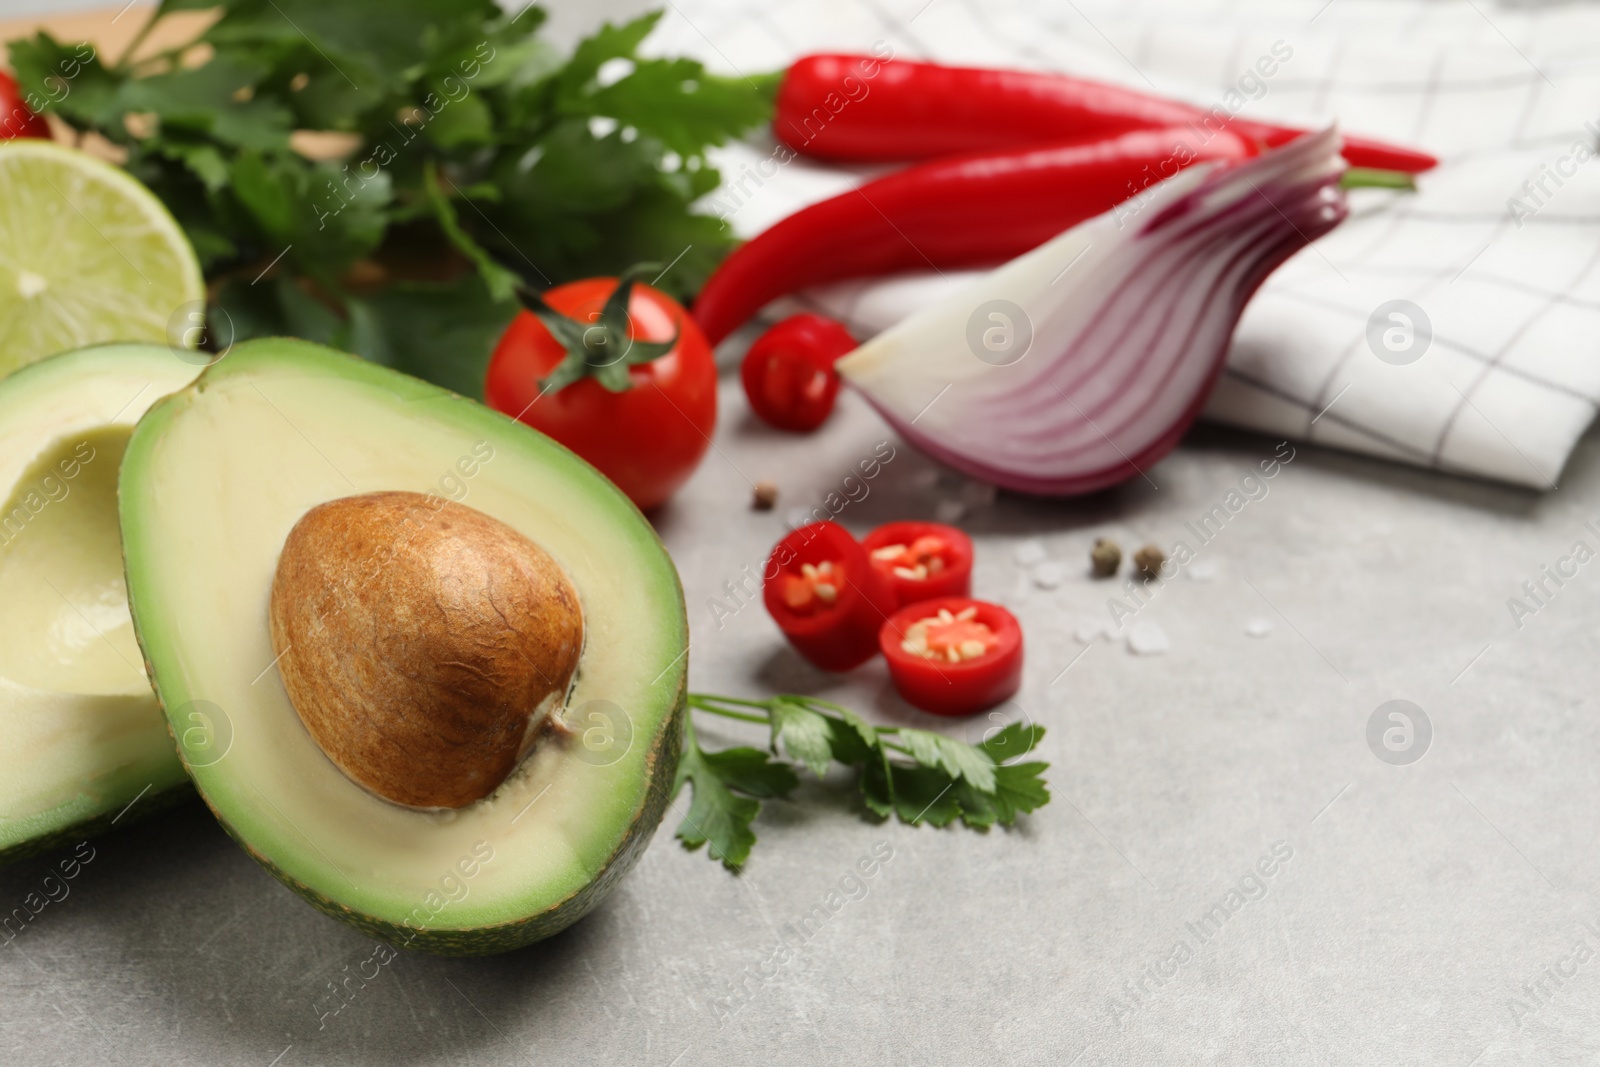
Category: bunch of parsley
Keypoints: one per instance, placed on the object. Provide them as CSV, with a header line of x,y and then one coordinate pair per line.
x,y
466,155
916,775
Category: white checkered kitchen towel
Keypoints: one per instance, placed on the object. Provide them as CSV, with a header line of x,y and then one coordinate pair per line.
x,y
1500,248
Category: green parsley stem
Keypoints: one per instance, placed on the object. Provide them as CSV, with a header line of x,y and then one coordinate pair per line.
x,y
816,703
699,698
708,703
125,60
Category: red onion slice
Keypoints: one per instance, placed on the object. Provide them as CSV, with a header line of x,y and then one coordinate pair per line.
x,y
1080,364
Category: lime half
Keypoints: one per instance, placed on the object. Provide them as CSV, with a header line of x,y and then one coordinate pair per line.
x,y
87,255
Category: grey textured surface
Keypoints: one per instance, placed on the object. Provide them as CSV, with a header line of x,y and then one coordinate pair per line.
x,y
1416,903
1419,906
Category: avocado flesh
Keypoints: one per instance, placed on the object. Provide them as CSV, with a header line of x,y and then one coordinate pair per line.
x,y
213,480
85,745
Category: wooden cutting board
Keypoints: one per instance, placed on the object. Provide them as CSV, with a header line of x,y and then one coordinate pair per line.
x,y
110,29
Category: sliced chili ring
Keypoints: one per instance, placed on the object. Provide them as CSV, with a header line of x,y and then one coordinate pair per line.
x,y
953,655
935,560
826,597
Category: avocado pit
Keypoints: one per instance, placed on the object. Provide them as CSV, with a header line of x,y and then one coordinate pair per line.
x,y
424,644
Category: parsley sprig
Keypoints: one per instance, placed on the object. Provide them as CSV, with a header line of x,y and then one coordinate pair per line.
x,y
381,175
916,775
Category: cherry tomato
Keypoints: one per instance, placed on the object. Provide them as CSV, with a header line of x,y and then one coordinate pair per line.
x,y
649,436
788,373
953,655
825,597
922,560
16,118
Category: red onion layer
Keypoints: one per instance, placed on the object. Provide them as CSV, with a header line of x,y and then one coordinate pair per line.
x,y
1080,364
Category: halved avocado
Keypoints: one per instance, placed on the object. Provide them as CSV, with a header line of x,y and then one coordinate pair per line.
x,y
215,478
85,744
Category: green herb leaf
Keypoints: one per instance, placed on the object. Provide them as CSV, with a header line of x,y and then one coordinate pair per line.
x,y
467,148
805,735
502,282
949,781
920,794
206,100
204,160
1012,741
69,80
1020,787
718,816
304,315
442,331
678,103
608,42
168,6
262,189
956,758
860,727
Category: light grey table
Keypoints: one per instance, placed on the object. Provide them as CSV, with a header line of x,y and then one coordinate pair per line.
x,y
1432,913
1414,914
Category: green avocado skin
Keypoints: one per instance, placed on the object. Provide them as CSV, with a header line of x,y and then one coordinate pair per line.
x,y
153,803
662,765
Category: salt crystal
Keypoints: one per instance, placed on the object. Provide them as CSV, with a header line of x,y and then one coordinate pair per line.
x,y
1147,639
1089,631
1049,575
1259,627
1031,553
1018,594
1202,571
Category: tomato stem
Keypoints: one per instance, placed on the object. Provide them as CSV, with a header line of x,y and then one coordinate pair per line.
x,y
603,348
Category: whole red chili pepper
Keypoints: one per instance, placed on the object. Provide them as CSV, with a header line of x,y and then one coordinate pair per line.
x,y
848,107
828,600
965,211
